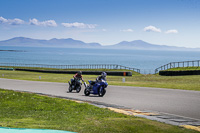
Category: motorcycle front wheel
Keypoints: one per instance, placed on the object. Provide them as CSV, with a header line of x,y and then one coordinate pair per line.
x,y
78,89
87,91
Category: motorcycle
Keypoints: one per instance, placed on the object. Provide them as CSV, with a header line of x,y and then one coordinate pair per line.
x,y
96,88
75,85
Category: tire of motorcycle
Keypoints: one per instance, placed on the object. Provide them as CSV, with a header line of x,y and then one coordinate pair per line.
x,y
78,89
70,89
87,91
102,92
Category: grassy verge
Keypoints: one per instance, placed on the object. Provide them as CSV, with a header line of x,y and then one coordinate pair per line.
x,y
173,82
25,110
183,69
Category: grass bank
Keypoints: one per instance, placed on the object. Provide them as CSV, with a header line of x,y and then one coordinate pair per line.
x,y
183,69
173,82
25,110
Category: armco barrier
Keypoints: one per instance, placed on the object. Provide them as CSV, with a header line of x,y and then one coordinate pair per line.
x,y
110,73
3,68
179,73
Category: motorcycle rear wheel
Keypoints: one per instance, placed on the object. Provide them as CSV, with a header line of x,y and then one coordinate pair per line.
x,y
70,89
102,92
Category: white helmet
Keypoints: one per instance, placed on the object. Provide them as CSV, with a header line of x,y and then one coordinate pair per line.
x,y
104,74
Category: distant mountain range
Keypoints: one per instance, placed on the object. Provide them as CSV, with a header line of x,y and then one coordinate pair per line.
x,y
29,42
71,43
141,45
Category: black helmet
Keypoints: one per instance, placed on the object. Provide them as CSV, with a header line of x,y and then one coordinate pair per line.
x,y
79,72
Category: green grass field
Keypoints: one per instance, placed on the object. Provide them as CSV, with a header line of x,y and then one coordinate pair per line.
x,y
173,82
26,110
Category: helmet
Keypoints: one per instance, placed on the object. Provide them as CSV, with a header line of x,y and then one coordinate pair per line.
x,y
104,74
79,72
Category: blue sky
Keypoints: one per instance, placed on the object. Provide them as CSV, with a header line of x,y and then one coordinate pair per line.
x,y
163,22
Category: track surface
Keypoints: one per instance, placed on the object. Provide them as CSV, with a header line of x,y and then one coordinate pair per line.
x,y
177,102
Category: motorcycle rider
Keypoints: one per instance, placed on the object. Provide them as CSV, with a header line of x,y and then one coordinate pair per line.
x,y
77,76
102,76
98,79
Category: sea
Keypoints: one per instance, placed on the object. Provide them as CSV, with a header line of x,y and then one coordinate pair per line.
x,y
145,60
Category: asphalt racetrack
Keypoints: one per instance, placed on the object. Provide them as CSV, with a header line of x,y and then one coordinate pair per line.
x,y
177,102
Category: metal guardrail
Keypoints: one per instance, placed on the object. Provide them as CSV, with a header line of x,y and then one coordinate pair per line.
x,y
85,66
170,65
2,68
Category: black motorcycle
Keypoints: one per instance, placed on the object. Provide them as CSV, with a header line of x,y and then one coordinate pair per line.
x,y
75,85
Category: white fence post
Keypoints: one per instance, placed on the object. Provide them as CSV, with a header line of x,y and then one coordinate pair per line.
x,y
123,79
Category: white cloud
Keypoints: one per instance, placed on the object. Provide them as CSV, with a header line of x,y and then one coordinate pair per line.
x,y
49,23
15,21
3,20
127,30
171,31
104,30
79,25
152,29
